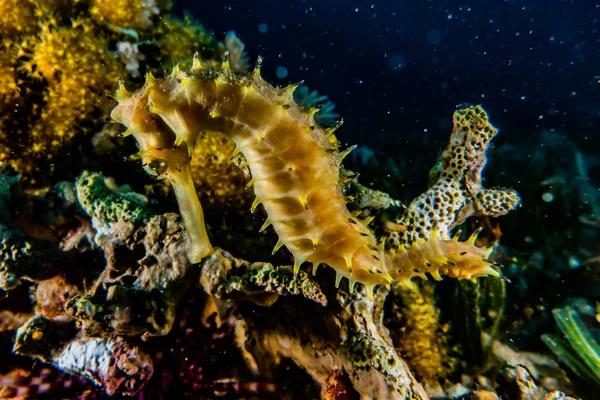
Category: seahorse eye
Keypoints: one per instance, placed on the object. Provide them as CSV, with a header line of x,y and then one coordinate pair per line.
x,y
157,167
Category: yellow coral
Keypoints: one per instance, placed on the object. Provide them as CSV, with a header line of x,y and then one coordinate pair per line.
x,y
418,334
126,14
80,71
217,179
72,53
21,17
9,84
178,39
56,69
71,72
17,17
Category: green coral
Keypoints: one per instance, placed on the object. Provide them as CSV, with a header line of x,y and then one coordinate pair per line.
x,y
107,203
578,349
263,283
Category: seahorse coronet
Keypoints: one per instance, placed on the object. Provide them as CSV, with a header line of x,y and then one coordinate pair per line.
x,y
295,167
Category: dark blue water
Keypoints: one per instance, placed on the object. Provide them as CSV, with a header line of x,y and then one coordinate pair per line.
x,y
401,67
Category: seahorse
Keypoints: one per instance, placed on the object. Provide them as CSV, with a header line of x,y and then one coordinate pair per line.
x,y
295,167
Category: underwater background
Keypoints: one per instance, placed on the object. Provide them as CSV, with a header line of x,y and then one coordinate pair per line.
x,y
184,215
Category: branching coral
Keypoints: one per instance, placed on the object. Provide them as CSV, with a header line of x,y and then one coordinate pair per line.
x,y
424,230
295,175
58,51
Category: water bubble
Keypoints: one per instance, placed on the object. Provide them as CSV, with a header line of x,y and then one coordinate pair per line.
x,y
548,197
281,72
433,36
396,62
263,28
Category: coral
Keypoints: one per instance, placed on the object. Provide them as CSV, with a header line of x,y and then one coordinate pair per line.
x,y
517,383
238,59
62,72
9,81
53,57
219,182
51,295
414,323
420,238
456,190
109,204
261,283
130,55
57,65
111,363
140,288
295,175
579,349
17,17
177,39
21,256
126,14
345,333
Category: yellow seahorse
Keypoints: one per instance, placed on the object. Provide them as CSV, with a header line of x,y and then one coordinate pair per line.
x,y
295,173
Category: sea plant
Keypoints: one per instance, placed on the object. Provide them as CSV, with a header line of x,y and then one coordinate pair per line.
x,y
577,348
